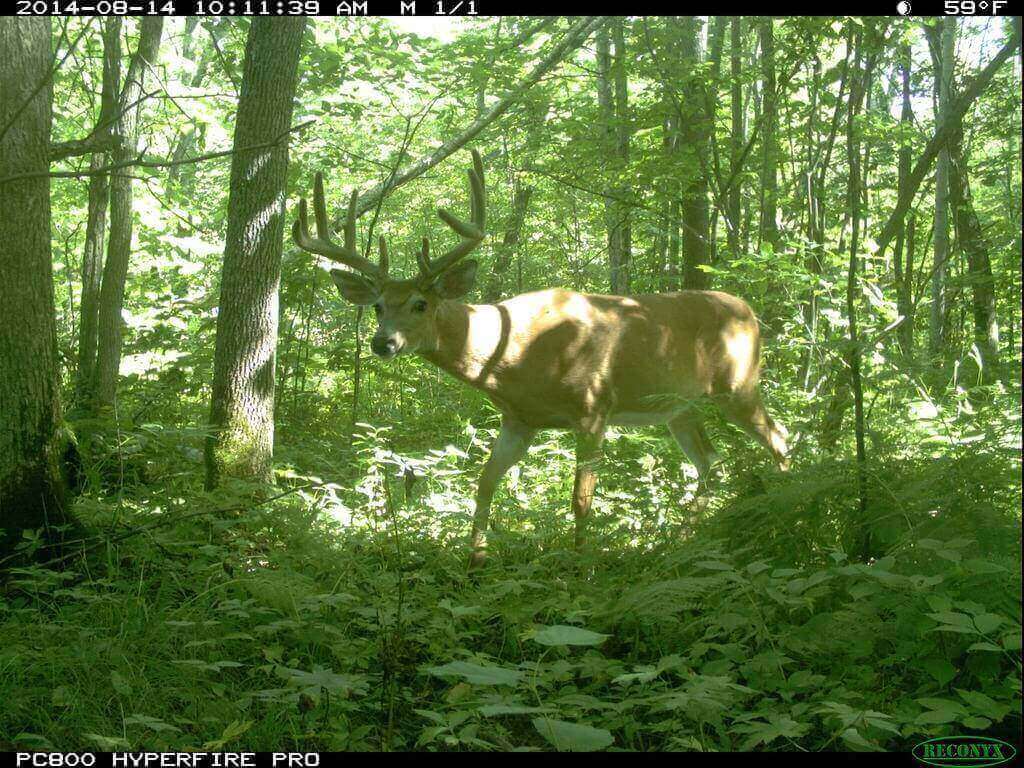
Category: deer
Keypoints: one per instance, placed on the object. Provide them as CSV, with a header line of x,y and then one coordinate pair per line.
x,y
556,358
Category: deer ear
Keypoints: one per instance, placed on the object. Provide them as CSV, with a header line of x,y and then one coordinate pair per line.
x,y
457,281
354,287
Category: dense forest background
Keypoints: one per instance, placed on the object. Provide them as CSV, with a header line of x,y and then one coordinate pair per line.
x,y
226,525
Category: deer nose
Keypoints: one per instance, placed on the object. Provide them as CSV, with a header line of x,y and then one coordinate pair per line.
x,y
385,346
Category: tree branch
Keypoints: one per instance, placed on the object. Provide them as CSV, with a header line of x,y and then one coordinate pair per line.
x,y
943,133
572,39
140,162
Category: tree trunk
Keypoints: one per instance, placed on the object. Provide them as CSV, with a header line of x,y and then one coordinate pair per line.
x,y
510,242
943,132
99,198
815,244
904,268
606,126
858,84
32,491
181,178
769,136
979,267
242,407
943,77
736,135
115,271
694,135
622,255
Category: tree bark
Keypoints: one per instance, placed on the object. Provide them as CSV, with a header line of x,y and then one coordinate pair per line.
x,y
979,267
769,136
694,136
606,126
115,271
904,267
99,198
510,242
943,83
736,136
623,133
32,489
858,84
242,406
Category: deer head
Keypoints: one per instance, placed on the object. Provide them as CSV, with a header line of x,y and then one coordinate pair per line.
x,y
406,309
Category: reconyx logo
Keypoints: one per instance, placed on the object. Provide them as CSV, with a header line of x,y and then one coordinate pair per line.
x,y
964,751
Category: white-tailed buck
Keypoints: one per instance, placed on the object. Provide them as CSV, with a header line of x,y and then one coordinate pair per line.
x,y
557,358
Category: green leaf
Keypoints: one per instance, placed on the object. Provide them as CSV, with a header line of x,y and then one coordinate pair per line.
x,y
233,730
985,647
572,737
477,674
940,669
988,622
562,634
935,717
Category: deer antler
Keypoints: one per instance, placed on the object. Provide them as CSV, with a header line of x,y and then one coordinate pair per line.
x,y
472,232
346,253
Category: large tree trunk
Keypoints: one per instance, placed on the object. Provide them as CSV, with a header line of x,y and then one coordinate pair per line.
x,y
695,133
99,197
242,407
769,136
115,271
943,78
32,491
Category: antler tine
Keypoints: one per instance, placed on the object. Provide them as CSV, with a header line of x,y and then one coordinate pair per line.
x,y
471,232
322,243
383,246
423,257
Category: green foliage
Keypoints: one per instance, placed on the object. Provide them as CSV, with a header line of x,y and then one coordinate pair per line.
x,y
769,614
340,616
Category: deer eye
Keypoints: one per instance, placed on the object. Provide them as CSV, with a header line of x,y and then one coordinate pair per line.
x,y
419,306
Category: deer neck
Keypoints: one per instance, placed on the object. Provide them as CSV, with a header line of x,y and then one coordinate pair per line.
x,y
470,342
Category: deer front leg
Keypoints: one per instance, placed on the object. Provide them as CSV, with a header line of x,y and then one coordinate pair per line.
x,y
511,445
588,455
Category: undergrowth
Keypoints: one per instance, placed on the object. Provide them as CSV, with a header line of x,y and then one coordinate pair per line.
x,y
334,611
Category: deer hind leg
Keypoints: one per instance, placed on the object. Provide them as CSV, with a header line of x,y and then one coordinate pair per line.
x,y
746,411
511,445
688,431
588,455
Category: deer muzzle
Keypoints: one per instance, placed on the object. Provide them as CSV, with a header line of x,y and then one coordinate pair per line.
x,y
386,345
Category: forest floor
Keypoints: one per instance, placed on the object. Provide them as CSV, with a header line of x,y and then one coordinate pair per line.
x,y
339,615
